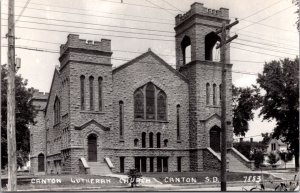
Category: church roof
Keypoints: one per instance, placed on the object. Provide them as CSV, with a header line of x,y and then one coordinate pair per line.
x,y
150,53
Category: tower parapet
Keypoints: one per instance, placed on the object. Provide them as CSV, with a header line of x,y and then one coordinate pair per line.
x,y
88,51
198,8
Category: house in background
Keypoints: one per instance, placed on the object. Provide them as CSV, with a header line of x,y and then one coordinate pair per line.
x,y
275,146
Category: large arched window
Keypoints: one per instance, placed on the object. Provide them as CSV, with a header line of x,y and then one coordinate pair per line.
x,y
82,78
91,79
207,93
210,41
186,49
214,94
150,103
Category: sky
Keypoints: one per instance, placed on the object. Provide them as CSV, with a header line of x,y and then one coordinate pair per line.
x,y
267,31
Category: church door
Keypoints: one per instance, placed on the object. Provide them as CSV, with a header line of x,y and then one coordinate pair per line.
x,y
92,148
41,162
215,138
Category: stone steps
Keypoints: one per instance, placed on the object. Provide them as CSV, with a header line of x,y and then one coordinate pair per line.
x,y
99,168
235,164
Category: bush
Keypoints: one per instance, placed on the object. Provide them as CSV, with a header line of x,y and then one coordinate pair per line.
x,y
258,158
133,175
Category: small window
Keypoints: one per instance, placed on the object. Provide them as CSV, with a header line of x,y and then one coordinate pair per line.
x,y
56,111
91,79
100,92
136,142
207,93
158,140
82,91
220,92
151,140
179,164
122,164
178,121
121,118
186,49
143,139
214,94
165,143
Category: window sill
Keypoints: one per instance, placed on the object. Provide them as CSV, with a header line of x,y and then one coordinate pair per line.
x,y
213,106
156,121
178,140
121,140
92,112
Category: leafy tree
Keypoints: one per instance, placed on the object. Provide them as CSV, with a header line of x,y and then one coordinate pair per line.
x,y
258,157
247,147
273,159
266,138
285,156
280,80
297,3
24,116
245,100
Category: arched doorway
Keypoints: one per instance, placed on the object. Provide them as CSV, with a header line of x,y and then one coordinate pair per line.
x,y
92,148
41,162
214,138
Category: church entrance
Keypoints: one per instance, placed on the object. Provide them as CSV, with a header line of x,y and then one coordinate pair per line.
x,y
214,138
41,162
92,148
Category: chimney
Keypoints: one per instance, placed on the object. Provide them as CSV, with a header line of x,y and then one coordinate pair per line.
x,y
251,140
241,140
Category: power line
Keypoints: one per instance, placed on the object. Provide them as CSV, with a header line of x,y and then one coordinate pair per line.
x,y
172,5
120,59
72,8
257,52
77,27
160,7
264,48
264,18
89,23
262,10
100,16
22,11
95,34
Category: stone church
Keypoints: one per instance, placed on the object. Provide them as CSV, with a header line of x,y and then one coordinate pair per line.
x,y
144,114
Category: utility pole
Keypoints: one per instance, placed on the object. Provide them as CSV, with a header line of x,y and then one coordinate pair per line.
x,y
224,41
0,97
11,121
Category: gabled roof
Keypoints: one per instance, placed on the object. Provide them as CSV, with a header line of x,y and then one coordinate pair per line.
x,y
90,123
56,72
211,116
150,53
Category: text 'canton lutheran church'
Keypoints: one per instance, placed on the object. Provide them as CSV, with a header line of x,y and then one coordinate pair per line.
x,y
143,114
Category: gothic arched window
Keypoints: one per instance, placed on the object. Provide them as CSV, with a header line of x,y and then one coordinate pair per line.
x,y
100,92
56,111
139,105
214,94
161,106
151,140
82,89
91,79
158,140
150,103
207,93
143,139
